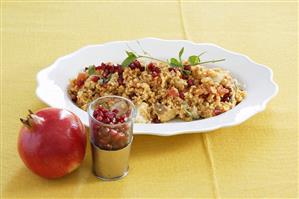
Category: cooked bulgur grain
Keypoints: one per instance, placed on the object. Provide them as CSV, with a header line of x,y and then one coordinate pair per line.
x,y
161,92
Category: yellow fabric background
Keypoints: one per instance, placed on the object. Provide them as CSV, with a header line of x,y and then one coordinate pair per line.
x,y
255,159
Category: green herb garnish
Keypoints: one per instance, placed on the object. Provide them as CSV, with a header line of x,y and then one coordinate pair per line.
x,y
180,55
194,60
173,62
212,61
91,69
177,63
131,57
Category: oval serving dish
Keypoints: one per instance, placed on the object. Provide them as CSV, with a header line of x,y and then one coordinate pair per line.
x,y
256,78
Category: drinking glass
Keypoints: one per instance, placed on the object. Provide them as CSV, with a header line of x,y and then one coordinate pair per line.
x,y
111,143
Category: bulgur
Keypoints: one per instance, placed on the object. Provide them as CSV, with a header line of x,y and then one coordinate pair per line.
x,y
159,91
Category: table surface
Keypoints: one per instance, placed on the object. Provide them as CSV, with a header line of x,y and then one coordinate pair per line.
x,y
255,159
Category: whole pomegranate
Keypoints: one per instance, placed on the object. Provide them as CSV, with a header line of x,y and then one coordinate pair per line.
x,y
52,142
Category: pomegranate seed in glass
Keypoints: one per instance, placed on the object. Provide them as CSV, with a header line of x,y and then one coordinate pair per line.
x,y
111,134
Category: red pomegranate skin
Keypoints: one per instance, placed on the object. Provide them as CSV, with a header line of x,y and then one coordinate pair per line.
x,y
55,143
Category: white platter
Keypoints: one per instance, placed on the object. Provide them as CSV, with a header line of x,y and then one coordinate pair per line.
x,y
257,79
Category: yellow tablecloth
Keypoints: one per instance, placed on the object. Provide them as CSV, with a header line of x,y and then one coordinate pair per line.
x,y
255,159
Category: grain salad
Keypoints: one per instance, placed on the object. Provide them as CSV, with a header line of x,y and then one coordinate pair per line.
x,y
159,90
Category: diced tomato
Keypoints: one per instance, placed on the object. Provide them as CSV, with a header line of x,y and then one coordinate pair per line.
x,y
173,92
217,112
222,91
81,79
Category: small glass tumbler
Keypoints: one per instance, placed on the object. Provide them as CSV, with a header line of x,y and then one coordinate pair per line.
x,y
111,141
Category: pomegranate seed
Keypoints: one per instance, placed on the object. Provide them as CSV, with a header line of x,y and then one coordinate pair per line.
x,y
181,95
151,66
119,70
111,69
187,67
108,69
105,131
80,82
98,67
225,97
110,115
114,69
121,120
132,66
106,73
190,82
155,74
113,132
106,120
185,76
156,69
95,78
106,137
120,81
142,68
115,111
137,63
171,69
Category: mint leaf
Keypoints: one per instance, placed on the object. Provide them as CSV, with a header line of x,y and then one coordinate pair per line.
x,y
91,70
174,62
180,54
194,60
131,57
128,61
177,63
130,54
